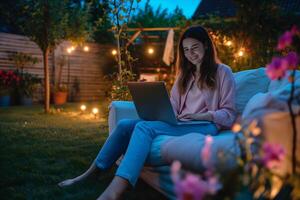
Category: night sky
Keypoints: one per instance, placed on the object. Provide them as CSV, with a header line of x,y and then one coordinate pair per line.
x,y
188,6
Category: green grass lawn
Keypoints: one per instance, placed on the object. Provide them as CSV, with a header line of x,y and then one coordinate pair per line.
x,y
37,151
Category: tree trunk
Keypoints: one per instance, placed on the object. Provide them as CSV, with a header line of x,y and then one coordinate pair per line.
x,y
46,81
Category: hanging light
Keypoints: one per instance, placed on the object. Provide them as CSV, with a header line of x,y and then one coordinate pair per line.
x,y
69,50
228,43
114,52
150,50
241,53
86,48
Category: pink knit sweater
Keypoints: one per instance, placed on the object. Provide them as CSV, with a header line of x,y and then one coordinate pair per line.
x,y
219,102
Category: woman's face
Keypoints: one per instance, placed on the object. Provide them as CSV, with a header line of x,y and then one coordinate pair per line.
x,y
193,50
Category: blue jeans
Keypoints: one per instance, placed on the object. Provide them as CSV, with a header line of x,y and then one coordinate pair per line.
x,y
133,138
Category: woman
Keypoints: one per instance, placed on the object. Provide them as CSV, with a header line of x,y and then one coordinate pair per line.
x,y
204,90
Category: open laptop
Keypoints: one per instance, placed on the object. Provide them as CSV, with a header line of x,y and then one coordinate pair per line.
x,y
153,103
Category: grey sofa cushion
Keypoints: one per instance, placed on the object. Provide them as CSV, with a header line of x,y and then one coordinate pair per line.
x,y
249,83
187,149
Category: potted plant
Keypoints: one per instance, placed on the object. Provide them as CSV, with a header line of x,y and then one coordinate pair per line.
x,y
60,91
60,94
8,80
28,85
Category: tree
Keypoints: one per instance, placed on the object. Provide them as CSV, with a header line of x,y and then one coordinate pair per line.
x,y
100,20
121,11
48,23
148,17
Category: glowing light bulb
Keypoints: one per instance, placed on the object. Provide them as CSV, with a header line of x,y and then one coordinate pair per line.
x,y
114,52
228,43
86,48
69,50
95,111
150,50
241,53
83,108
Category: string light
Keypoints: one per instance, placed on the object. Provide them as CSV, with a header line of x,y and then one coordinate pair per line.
x,y
241,53
69,50
114,52
228,43
150,50
86,48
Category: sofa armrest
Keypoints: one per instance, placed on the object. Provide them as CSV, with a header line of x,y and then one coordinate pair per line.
x,y
120,110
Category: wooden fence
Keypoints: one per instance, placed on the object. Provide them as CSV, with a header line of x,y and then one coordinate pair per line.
x,y
82,71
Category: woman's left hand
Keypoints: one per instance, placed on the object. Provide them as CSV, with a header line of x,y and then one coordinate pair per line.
x,y
197,116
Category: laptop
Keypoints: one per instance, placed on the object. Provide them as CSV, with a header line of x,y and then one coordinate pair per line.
x,y
152,103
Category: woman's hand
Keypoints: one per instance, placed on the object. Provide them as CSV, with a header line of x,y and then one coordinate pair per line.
x,y
197,116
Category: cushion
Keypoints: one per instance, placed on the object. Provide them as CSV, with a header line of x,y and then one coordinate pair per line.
x,y
279,84
267,104
275,100
187,149
249,83
120,110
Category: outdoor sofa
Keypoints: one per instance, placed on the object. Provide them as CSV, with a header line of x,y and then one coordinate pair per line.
x,y
187,148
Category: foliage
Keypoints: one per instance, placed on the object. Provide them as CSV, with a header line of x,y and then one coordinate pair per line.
x,y
50,22
21,59
28,84
254,30
8,81
60,88
119,90
281,67
100,21
148,17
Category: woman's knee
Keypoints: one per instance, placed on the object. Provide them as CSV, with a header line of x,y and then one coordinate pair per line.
x,y
126,125
145,127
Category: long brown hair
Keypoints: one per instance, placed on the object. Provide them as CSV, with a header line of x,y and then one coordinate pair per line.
x,y
209,66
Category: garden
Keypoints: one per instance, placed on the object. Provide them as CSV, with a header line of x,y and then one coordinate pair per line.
x,y
64,69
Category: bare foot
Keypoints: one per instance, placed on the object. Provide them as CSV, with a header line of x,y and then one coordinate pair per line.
x,y
92,172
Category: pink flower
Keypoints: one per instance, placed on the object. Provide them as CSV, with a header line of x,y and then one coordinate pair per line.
x,y
294,30
175,168
193,187
285,40
206,151
273,155
277,68
292,60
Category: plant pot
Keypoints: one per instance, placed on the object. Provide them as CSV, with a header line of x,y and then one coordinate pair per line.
x,y
4,101
26,101
60,98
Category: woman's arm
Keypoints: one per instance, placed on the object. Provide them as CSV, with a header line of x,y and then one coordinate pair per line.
x,y
226,114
